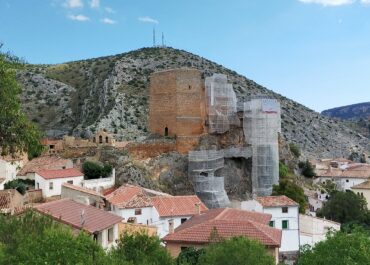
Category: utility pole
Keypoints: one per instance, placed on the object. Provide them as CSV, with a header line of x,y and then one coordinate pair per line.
x,y
162,40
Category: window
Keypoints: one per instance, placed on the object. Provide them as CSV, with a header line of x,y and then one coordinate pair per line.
x,y
347,180
272,223
166,131
183,220
137,211
100,139
51,185
106,139
110,235
70,181
284,209
285,224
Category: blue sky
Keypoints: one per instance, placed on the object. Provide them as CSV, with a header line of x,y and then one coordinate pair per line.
x,y
316,52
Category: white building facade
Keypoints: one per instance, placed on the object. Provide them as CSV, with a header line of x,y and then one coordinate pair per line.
x,y
285,216
314,229
50,181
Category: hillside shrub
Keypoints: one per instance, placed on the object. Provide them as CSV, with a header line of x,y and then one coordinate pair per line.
x,y
295,150
93,170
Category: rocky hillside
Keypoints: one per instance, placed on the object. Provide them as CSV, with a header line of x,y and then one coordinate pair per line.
x,y
112,93
355,112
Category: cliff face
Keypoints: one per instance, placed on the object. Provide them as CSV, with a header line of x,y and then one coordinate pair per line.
x,y
112,93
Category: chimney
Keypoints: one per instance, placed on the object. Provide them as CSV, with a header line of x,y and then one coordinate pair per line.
x,y
171,227
197,208
82,217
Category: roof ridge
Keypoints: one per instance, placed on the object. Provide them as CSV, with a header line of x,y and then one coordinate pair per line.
x,y
258,227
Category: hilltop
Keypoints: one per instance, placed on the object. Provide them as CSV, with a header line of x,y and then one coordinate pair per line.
x,y
111,92
354,112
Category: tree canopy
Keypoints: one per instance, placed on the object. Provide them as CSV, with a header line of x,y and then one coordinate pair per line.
x,y
339,248
17,133
347,208
290,189
236,251
93,170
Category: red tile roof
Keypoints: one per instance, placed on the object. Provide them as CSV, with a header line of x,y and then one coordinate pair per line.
x,y
69,212
45,162
177,205
228,223
60,173
128,196
364,185
276,201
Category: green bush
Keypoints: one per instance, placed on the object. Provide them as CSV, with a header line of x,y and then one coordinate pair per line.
x,y
94,170
295,150
283,170
307,169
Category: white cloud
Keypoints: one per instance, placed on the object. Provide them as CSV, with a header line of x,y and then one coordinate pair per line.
x,y
81,18
110,10
365,2
108,21
148,20
73,3
95,3
329,2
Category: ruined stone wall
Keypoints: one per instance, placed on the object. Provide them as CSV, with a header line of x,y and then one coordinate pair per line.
x,y
150,149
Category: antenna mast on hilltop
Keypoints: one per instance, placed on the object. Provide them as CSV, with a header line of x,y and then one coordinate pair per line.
x,y
162,39
154,37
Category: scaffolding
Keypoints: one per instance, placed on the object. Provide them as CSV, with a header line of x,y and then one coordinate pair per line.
x,y
221,104
261,125
202,170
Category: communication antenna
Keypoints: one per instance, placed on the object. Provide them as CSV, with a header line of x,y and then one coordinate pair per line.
x,y
153,37
162,39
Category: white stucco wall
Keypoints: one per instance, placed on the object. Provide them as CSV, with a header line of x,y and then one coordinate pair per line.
x,y
103,237
313,229
343,183
8,170
101,183
290,236
43,184
150,216
144,218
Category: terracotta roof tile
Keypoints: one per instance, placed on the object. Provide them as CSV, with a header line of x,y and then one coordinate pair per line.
x,y
276,201
128,196
354,170
228,223
69,212
45,162
177,205
60,173
364,185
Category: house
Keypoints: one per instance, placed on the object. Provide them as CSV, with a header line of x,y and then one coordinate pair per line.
x,y
172,211
101,225
285,216
147,207
83,195
50,181
313,229
363,190
43,163
11,201
132,203
344,175
224,223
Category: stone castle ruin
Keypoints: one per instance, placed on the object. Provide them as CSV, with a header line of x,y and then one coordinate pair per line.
x,y
189,108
